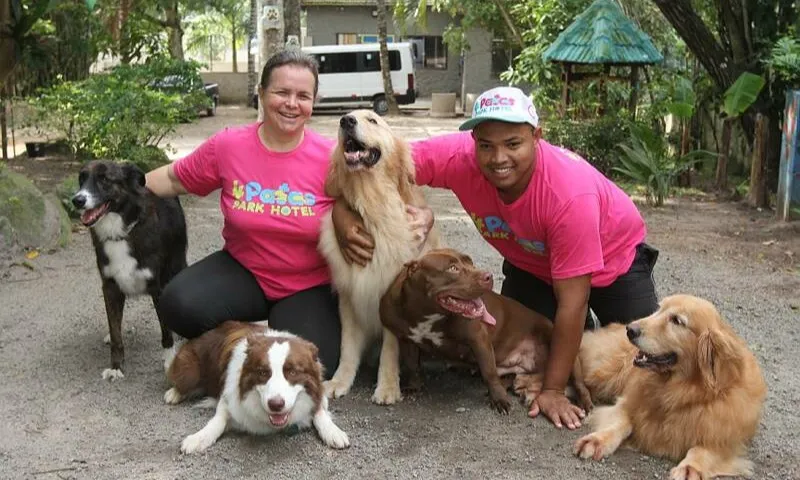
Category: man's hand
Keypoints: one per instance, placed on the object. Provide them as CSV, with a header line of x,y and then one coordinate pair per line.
x,y
355,243
420,220
557,407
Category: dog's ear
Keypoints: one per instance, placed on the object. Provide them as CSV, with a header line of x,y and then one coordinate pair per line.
x,y
717,359
134,176
412,266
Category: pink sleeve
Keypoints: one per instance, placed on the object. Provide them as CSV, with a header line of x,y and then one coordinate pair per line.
x,y
574,239
435,158
198,172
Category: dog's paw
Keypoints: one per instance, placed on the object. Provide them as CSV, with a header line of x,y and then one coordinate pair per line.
x,y
686,472
387,395
590,446
501,404
173,396
334,437
335,389
196,443
112,374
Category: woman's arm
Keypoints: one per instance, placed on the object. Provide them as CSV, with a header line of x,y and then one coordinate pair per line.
x,y
163,182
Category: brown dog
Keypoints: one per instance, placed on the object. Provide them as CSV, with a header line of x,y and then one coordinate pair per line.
x,y
686,387
443,304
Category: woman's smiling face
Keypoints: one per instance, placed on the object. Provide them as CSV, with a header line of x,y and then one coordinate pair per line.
x,y
288,99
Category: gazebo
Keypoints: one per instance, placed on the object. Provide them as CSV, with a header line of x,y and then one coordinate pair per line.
x,y
602,35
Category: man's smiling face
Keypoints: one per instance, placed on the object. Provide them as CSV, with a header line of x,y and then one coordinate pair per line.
x,y
506,153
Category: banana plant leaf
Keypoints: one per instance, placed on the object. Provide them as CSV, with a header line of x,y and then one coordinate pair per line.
x,y
741,95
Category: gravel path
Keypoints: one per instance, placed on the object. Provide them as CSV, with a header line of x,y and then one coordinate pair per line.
x,y
63,421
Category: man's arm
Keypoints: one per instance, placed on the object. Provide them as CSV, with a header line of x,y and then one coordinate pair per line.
x,y
572,297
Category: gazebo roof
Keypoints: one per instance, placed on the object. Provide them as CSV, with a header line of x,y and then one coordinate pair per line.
x,y
602,34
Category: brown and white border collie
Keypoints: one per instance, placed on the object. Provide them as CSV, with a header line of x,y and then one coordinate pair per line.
x,y
264,381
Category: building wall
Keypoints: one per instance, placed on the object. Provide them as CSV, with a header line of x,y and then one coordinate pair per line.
x,y
232,86
325,22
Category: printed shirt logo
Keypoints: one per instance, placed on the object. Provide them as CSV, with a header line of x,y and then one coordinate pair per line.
x,y
495,228
282,201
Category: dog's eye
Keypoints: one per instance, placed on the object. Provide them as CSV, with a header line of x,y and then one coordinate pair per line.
x,y
676,319
373,121
263,372
289,371
452,269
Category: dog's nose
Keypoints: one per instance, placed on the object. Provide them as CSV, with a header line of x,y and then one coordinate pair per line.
x,y
276,404
633,331
487,279
348,122
79,200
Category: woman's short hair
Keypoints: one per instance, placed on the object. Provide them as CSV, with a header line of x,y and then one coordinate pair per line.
x,y
290,57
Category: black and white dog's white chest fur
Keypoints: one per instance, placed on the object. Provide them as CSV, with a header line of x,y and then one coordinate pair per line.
x,y
115,257
139,241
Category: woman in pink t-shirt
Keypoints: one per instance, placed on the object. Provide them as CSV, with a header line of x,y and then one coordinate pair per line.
x,y
570,238
271,177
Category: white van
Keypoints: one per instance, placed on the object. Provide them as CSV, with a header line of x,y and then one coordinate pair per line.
x,y
350,75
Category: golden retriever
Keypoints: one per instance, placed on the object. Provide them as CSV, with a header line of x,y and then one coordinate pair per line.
x,y
688,389
371,169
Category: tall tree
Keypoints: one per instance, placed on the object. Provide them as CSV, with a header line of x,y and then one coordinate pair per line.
x,y
746,31
236,19
388,89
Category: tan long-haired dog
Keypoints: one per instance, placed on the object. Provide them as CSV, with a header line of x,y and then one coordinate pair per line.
x,y
689,389
371,169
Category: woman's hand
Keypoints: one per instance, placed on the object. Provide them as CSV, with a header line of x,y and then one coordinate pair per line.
x,y
420,220
355,243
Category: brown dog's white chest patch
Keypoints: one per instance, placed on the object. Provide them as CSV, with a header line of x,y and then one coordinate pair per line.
x,y
424,331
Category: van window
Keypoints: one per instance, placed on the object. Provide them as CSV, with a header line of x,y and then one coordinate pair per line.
x,y
352,62
371,61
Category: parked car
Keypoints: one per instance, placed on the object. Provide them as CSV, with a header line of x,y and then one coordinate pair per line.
x,y
191,88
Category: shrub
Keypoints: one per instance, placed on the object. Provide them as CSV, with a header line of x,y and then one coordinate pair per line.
x,y
108,115
647,160
595,140
146,158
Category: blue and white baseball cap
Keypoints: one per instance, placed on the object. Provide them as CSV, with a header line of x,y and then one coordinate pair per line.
x,y
506,104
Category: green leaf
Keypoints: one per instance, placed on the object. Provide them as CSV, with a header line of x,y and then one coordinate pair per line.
x,y
90,4
741,95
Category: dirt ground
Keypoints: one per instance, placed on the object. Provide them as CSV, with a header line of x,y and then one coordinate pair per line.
x,y
63,421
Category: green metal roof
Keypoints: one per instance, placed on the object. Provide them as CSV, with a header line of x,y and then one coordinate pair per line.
x,y
603,34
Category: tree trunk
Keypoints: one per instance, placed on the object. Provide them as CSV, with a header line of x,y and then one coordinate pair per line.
x,y
3,125
234,57
722,162
252,75
388,89
173,24
7,56
757,196
291,19
701,42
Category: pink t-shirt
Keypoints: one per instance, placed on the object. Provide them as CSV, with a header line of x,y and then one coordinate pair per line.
x,y
570,221
272,203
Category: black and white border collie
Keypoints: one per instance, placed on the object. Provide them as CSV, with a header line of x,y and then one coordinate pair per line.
x,y
264,381
139,240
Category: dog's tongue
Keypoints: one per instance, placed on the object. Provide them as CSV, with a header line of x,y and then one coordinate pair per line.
x,y
482,313
90,216
487,317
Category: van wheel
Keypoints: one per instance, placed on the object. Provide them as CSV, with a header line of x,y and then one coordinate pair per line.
x,y
380,105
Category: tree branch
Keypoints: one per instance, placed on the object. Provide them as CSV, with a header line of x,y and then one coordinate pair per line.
x,y
691,28
509,23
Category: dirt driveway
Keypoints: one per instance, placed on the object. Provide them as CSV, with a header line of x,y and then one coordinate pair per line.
x,y
63,421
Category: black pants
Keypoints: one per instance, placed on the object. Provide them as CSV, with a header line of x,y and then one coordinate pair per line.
x,y
630,297
218,288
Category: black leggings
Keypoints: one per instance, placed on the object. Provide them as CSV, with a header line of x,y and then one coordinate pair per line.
x,y
630,297
218,288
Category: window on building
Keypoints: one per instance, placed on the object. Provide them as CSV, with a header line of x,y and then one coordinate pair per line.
x,y
433,52
502,56
346,38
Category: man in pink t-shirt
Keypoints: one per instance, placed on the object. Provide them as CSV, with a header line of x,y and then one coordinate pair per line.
x,y
570,238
